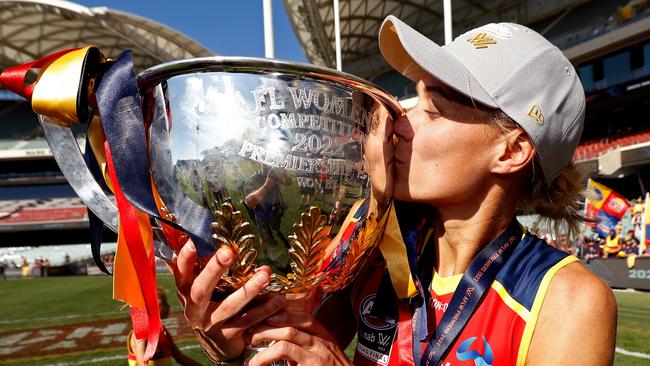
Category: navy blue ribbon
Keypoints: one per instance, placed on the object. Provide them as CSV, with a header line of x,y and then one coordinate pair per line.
x,y
476,280
96,225
120,109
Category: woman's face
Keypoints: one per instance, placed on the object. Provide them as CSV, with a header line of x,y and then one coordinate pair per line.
x,y
445,147
378,155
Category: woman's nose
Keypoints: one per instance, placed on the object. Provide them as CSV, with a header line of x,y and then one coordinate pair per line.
x,y
403,128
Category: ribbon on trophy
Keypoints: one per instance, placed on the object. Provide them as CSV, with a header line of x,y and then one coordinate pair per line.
x,y
80,85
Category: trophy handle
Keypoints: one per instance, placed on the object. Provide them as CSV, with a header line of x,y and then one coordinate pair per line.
x,y
69,158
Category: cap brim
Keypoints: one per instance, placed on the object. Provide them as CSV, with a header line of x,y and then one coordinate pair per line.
x,y
413,55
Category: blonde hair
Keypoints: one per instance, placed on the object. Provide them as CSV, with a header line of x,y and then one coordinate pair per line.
x,y
559,203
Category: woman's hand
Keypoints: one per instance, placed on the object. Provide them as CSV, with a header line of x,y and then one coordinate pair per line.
x,y
299,339
220,325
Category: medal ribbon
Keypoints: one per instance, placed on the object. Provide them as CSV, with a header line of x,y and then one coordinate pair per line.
x,y
475,282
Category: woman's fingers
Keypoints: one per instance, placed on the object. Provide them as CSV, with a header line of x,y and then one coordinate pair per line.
x,y
259,313
266,333
183,267
283,350
204,284
236,301
300,320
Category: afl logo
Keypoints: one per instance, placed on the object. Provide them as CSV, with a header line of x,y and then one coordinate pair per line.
x,y
371,321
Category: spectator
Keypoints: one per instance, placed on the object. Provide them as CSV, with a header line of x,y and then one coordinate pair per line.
x,y
40,264
46,267
3,265
613,243
24,266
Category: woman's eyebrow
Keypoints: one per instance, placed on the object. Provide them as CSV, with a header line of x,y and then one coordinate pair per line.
x,y
445,92
451,95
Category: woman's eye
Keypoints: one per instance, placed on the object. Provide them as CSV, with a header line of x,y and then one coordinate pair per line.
x,y
434,114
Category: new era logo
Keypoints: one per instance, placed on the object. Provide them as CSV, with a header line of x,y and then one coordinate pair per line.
x,y
481,40
535,113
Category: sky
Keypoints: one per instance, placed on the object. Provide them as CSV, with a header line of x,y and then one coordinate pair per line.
x,y
227,28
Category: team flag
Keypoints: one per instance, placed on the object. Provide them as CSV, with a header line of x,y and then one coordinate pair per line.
x,y
646,225
605,205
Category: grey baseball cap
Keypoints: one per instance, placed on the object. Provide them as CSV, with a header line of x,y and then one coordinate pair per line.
x,y
505,66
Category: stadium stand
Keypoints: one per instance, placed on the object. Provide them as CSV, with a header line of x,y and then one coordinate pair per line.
x,y
37,207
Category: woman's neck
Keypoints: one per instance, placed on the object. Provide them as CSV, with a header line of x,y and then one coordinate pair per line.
x,y
463,230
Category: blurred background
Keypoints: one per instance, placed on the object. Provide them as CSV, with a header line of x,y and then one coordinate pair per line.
x,y
56,307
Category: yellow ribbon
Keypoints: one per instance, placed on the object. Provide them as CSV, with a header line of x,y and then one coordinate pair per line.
x,y
393,250
56,92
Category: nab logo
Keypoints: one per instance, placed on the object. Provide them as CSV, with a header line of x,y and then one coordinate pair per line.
x,y
464,353
372,322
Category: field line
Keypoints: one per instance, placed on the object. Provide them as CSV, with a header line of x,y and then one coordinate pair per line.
x,y
632,354
121,356
72,316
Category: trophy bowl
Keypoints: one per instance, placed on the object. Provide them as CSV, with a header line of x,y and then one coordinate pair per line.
x,y
286,164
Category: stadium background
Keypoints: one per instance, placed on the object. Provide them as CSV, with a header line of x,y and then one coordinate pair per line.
x,y
40,216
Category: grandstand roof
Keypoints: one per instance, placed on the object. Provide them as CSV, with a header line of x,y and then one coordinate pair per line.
x,y
313,22
30,29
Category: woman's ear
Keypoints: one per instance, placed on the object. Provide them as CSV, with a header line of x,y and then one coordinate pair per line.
x,y
514,153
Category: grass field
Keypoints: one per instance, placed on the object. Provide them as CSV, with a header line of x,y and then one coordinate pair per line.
x,y
42,302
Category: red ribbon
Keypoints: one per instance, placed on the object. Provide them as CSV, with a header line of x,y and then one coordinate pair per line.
x,y
13,78
146,322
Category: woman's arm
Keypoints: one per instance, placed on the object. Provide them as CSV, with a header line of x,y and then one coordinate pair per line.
x,y
577,321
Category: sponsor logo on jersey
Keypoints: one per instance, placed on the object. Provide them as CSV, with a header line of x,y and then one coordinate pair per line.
x,y
464,353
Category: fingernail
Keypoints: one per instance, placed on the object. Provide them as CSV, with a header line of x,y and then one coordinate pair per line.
x,y
225,256
190,246
261,278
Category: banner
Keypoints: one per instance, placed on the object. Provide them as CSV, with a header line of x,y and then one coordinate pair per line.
x,y
605,205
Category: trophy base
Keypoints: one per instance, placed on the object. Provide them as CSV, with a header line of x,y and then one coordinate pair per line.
x,y
251,351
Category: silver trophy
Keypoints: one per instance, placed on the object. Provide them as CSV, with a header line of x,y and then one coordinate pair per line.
x,y
290,159
290,163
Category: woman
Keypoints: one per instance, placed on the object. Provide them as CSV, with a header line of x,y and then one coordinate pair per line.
x,y
499,114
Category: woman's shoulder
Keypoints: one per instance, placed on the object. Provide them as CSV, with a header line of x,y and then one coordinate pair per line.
x,y
576,287
578,307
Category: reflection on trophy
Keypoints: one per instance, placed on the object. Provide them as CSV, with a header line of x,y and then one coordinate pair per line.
x,y
275,152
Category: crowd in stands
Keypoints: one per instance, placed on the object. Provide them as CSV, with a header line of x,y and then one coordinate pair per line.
x,y
624,241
